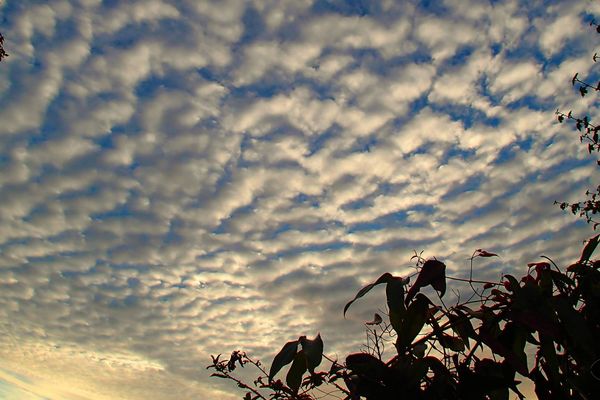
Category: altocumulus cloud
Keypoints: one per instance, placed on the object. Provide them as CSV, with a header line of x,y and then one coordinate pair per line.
x,y
182,177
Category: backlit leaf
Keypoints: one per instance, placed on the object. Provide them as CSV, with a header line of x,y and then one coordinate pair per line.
x,y
313,350
462,326
284,357
416,315
433,273
382,279
452,343
365,364
298,368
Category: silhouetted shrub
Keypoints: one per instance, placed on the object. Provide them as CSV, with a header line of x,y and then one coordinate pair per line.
x,y
472,350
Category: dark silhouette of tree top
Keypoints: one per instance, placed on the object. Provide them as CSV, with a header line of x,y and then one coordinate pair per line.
x,y
472,350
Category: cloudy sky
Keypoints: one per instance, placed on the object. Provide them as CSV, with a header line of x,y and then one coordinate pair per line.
x,y
180,178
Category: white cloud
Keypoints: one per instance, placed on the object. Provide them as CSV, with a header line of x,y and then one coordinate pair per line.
x,y
515,80
554,35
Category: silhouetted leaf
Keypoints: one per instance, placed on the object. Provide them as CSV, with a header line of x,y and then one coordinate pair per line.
x,y
313,350
416,315
574,79
433,273
394,291
284,357
561,280
576,327
436,366
419,350
484,253
298,368
547,350
365,364
511,284
382,279
462,326
589,248
452,343
514,337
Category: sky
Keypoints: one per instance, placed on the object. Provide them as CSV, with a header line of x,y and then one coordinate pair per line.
x,y
180,178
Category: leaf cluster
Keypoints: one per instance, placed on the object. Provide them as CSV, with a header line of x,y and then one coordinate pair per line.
x,y
588,133
472,350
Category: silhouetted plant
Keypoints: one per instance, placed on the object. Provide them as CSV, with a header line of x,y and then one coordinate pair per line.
x,y
588,133
3,53
472,350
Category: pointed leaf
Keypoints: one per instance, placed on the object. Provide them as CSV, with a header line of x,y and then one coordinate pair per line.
x,y
394,291
298,368
511,284
485,253
452,343
514,337
382,279
313,350
433,273
416,315
395,300
561,280
462,326
440,285
284,357
366,364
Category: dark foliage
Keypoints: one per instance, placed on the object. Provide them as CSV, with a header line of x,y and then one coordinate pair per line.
x,y
472,350
588,134
3,53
